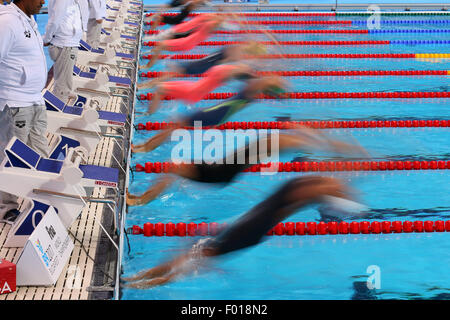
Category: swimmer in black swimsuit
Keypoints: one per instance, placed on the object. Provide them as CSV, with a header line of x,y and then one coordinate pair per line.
x,y
248,230
187,7
219,113
224,172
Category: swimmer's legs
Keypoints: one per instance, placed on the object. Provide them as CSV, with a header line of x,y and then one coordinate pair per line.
x,y
156,100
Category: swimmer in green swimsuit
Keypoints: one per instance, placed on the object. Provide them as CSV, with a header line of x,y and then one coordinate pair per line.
x,y
219,113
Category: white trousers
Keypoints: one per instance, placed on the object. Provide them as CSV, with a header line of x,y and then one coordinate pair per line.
x,y
29,124
64,60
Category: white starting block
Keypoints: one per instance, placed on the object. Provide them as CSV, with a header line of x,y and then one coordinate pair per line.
x,y
99,79
45,254
59,183
81,121
77,123
23,173
116,37
108,55
120,22
31,213
86,175
123,10
116,4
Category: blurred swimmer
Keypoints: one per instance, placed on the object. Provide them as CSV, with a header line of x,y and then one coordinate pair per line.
x,y
219,113
193,91
199,28
225,172
250,229
227,54
187,8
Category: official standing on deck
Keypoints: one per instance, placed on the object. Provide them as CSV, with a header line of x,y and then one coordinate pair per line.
x,y
23,71
97,11
63,33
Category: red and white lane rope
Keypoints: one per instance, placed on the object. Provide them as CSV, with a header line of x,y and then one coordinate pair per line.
x,y
324,124
317,166
182,229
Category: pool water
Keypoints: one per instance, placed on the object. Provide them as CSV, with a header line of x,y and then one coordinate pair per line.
x,y
409,266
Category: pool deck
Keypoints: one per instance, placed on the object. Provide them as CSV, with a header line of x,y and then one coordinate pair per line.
x,y
92,271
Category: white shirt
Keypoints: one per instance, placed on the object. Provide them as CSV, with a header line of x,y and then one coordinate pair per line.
x,y
23,66
65,22
97,9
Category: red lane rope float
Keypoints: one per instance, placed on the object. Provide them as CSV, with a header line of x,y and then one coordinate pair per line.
x,y
283,22
365,31
301,56
182,229
319,73
244,125
324,95
318,166
264,14
289,43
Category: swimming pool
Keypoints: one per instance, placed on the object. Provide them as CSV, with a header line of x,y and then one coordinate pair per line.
x,y
407,265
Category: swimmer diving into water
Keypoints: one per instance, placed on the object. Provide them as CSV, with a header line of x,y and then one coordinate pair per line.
x,y
249,229
193,91
219,113
224,172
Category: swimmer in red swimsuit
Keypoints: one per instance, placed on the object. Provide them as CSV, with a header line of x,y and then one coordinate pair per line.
x,y
193,91
228,54
204,25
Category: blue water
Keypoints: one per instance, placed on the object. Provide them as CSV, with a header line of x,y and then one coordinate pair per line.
x,y
412,266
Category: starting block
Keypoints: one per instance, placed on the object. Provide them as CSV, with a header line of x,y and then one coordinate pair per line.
x,y
31,213
81,124
116,37
108,55
123,10
24,173
99,79
81,121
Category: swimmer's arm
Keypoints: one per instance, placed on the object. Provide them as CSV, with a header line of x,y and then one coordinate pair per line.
x,y
151,193
153,142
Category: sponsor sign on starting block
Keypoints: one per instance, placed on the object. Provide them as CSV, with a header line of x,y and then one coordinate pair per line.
x,y
45,254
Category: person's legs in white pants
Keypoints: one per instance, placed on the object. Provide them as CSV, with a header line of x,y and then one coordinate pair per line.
x,y
64,60
29,124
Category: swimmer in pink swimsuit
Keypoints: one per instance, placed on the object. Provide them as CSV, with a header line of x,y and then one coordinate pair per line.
x,y
204,25
193,91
